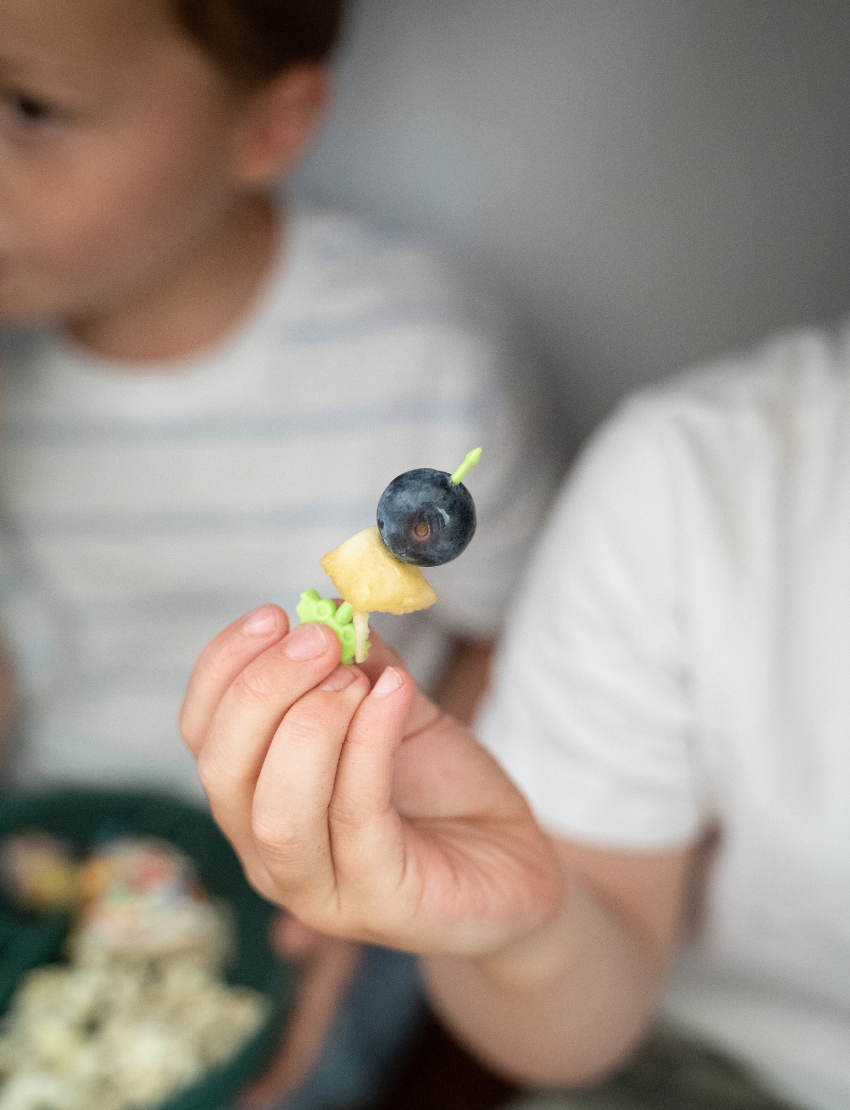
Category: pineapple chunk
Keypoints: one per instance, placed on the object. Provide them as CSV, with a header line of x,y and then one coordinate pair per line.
x,y
372,579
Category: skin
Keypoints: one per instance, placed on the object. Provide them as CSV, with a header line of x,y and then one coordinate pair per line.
x,y
135,215
134,176
396,827
329,963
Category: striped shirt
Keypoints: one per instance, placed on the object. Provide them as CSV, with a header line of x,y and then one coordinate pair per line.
x,y
143,508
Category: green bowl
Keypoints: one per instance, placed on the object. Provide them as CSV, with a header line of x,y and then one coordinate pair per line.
x,y
82,817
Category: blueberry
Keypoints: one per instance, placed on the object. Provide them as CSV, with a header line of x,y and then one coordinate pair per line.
x,y
425,517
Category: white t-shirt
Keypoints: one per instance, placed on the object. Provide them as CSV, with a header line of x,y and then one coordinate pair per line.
x,y
679,660
143,511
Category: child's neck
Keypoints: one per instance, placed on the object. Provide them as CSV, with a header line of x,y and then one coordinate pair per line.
x,y
198,303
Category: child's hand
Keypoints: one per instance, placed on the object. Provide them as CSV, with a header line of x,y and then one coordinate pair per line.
x,y
354,802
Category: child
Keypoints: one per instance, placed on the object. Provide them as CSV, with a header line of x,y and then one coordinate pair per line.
x,y
205,390
673,699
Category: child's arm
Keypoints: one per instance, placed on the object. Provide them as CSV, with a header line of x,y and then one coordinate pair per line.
x,y
568,1002
372,815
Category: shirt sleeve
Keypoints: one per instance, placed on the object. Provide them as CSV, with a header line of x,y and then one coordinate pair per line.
x,y
590,710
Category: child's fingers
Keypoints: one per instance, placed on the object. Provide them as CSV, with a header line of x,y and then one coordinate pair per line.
x,y
295,786
366,831
219,664
381,656
238,736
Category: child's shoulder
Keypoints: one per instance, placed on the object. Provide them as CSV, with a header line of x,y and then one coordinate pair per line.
x,y
346,263
791,375
768,411
366,306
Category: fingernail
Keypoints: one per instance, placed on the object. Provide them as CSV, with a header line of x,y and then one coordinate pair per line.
x,y
305,641
260,622
389,681
339,679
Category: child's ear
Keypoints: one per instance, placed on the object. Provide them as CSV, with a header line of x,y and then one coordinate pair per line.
x,y
278,123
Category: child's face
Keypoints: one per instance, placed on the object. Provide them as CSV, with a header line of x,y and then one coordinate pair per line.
x,y
116,144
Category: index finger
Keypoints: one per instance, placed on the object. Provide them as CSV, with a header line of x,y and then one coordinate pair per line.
x,y
221,661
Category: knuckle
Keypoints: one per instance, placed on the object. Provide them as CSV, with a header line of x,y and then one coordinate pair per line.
x,y
275,837
211,773
259,879
184,731
187,729
302,725
316,717
254,686
349,813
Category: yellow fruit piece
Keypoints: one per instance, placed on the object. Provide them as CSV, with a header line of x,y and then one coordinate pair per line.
x,y
373,580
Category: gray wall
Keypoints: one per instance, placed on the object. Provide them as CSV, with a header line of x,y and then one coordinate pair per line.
x,y
653,181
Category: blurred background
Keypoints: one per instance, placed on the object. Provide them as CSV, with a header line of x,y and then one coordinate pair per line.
x,y
651,182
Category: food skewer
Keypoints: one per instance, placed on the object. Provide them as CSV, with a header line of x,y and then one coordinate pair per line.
x,y
425,518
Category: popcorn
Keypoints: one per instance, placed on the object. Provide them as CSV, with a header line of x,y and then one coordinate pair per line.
x,y
140,1012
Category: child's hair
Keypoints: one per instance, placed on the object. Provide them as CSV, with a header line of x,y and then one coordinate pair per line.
x,y
255,39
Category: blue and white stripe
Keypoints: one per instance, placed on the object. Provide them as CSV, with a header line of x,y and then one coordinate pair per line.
x,y
143,510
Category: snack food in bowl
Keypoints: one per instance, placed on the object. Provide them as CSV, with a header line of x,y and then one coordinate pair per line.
x,y
160,989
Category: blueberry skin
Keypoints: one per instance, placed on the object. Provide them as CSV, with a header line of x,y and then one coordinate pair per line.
x,y
424,518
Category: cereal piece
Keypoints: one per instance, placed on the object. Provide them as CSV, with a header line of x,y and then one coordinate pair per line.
x,y
39,873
